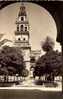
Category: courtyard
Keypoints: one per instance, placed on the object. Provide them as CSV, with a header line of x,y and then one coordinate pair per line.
x,y
29,94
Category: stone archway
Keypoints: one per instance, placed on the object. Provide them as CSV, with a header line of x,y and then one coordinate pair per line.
x,y
55,9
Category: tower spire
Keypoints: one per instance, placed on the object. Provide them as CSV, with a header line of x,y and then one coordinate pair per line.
x,y
22,3
22,9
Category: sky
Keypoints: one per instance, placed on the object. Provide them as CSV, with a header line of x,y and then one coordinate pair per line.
x,y
41,24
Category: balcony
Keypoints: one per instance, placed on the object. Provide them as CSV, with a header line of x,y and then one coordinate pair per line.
x,y
22,22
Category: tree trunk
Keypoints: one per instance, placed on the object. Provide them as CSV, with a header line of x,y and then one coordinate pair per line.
x,y
14,78
39,77
7,77
4,78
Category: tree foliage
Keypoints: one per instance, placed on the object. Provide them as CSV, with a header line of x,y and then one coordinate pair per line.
x,y
48,44
49,63
11,60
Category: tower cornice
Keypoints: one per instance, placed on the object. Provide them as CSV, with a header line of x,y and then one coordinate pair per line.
x,y
22,22
22,33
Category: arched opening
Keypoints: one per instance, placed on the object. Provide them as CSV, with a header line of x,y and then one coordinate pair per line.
x,y
22,27
25,28
17,27
22,18
19,39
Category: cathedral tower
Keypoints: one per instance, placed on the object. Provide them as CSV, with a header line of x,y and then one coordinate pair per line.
x,y
22,35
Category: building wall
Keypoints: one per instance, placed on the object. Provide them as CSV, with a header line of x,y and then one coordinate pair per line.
x,y
26,54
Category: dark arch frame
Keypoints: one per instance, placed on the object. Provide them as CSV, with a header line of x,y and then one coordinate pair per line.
x,y
54,8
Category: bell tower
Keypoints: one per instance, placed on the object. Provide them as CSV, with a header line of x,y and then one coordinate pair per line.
x,y
22,35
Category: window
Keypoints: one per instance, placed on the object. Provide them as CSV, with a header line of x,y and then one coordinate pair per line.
x,y
24,39
17,27
32,60
25,28
21,27
19,39
22,18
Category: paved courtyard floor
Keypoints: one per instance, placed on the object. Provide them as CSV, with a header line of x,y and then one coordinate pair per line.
x,y
29,94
